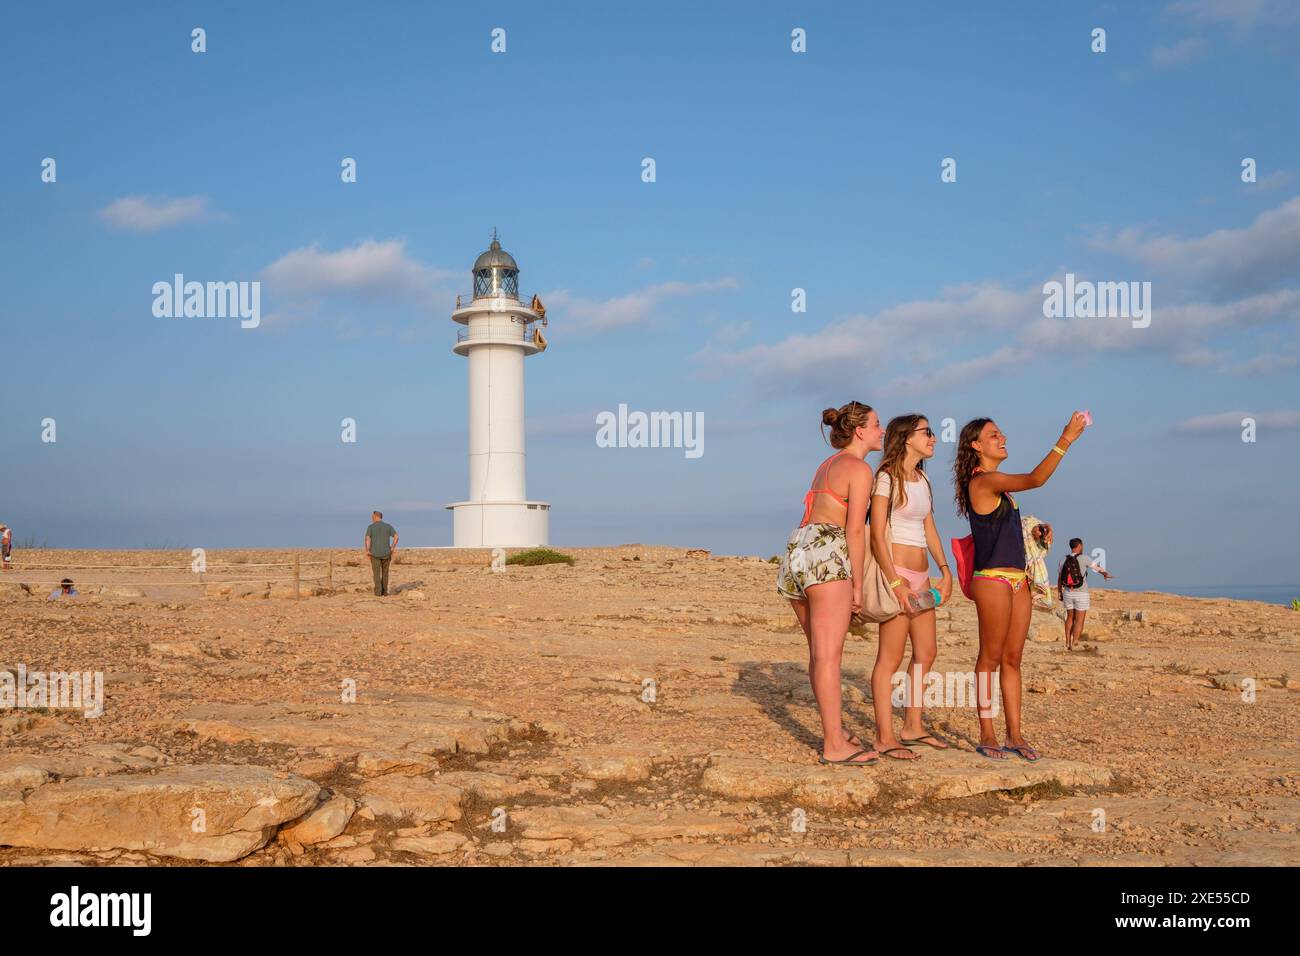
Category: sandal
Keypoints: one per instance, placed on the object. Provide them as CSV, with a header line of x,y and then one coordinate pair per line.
x,y
1020,751
923,739
891,750
851,759
992,751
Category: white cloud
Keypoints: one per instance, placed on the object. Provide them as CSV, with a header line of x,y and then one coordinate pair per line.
x,y
1233,261
861,344
1231,421
370,269
1184,51
1242,14
152,213
955,374
1274,180
1267,364
626,311
1200,357
1178,328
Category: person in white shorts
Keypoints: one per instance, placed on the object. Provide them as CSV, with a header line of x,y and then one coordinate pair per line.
x,y
1072,589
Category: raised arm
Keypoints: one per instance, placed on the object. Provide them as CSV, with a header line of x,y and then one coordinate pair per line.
x,y
993,483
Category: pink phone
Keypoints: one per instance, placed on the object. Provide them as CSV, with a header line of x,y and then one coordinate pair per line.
x,y
1087,418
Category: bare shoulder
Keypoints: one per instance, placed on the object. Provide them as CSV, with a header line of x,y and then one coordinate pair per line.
x,y
857,468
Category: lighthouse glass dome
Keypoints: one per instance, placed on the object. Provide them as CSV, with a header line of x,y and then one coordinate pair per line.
x,y
495,273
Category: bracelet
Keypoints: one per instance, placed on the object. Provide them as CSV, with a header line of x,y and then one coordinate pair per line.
x,y
895,583
1058,449
943,567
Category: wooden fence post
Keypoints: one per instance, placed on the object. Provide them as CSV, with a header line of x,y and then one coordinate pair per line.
x,y
296,575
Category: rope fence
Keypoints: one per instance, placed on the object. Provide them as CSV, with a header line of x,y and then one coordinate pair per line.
x,y
197,578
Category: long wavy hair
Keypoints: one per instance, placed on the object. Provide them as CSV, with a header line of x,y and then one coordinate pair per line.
x,y
897,435
843,421
964,465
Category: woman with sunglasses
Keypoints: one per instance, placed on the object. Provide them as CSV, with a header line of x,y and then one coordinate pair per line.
x,y
1002,599
902,504
821,572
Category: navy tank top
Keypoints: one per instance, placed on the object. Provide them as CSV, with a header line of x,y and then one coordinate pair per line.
x,y
999,542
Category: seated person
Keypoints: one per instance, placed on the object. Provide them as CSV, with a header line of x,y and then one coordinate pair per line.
x,y
65,589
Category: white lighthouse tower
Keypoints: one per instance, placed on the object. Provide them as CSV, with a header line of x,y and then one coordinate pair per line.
x,y
500,331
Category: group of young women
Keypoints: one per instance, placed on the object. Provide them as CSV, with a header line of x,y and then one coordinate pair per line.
x,y
822,571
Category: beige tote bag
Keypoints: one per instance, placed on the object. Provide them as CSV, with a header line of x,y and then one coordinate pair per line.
x,y
879,603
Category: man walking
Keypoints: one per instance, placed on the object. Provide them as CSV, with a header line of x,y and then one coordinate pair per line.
x,y
381,542
1072,589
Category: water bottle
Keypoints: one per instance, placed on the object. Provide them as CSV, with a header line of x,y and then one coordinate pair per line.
x,y
924,601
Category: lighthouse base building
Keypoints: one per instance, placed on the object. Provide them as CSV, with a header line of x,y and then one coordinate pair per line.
x,y
500,332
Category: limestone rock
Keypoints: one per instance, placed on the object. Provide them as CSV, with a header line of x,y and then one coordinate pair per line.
x,y
242,807
409,727
628,764
415,797
437,845
598,825
323,823
492,787
751,778
22,777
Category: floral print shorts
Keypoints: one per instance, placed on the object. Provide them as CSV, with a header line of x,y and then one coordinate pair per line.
x,y
815,554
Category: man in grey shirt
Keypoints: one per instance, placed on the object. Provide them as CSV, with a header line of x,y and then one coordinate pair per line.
x,y
381,544
1075,599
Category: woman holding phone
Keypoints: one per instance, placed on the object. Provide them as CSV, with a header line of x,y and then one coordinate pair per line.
x,y
1001,594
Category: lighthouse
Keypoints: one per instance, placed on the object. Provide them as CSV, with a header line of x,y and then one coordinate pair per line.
x,y
500,332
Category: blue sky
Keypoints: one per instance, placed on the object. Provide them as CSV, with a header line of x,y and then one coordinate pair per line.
x,y
775,171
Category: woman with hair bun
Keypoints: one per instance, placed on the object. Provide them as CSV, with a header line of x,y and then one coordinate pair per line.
x,y
821,572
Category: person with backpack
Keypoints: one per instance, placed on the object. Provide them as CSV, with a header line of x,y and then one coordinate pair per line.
x,y
1072,589
903,539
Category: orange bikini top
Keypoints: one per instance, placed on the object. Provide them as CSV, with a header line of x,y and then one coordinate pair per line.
x,y
825,489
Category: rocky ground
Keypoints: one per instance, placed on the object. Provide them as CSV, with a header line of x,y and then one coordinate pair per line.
x,y
645,706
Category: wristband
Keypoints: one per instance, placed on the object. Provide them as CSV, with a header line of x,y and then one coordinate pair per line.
x,y
1058,449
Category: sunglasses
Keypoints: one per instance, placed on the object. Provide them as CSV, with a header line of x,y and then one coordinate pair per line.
x,y
929,432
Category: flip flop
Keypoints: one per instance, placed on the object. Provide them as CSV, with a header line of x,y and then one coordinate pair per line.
x,y
891,750
992,751
922,739
1019,751
850,759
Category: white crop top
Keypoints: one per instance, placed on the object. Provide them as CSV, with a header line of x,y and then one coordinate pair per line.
x,y
908,521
